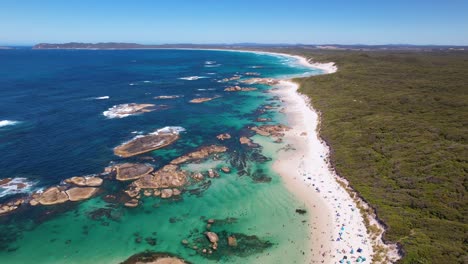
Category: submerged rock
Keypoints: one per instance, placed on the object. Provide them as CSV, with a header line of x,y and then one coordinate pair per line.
x,y
202,99
132,171
132,203
199,154
149,257
85,181
223,136
239,89
143,144
271,130
232,241
233,78
265,81
80,193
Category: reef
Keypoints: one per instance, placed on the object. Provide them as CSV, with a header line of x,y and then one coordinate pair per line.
x,y
271,130
83,181
199,154
265,81
233,78
147,143
223,136
131,171
60,194
202,99
169,176
150,257
239,89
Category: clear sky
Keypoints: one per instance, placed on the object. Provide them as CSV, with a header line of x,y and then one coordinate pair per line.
x,y
235,21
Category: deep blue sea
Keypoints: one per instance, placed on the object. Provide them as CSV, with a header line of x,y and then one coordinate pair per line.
x,y
52,127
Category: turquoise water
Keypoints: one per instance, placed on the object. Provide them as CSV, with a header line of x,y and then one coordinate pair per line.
x,y
61,132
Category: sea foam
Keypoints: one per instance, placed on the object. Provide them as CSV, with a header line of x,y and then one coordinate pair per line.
x,y
16,185
192,78
101,98
4,123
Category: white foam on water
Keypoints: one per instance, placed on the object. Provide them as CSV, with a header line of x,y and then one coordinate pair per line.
x,y
212,65
168,96
120,111
101,97
4,123
210,62
169,129
192,78
16,185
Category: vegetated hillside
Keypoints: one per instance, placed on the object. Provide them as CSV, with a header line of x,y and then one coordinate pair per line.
x,y
398,125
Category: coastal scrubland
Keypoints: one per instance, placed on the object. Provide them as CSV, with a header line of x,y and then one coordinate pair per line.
x,y
397,125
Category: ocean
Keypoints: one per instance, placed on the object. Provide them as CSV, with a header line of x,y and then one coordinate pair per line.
x,y
58,120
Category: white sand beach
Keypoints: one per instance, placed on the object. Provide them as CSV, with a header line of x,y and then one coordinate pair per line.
x,y
337,230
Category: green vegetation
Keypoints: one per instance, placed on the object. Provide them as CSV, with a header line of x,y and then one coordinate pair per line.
x,y
397,123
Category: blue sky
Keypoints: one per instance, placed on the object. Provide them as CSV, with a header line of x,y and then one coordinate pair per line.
x,y
228,21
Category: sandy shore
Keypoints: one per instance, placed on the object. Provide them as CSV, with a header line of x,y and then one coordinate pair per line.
x,y
337,230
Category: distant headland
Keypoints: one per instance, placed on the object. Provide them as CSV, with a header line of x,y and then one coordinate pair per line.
x,y
360,47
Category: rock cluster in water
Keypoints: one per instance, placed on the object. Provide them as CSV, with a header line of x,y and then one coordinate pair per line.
x,y
239,89
143,144
199,154
131,171
149,257
202,99
60,194
271,130
265,81
223,136
233,78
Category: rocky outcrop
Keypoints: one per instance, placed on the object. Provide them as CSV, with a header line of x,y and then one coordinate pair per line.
x,y
80,193
233,78
83,181
10,206
213,238
59,194
247,141
239,89
131,171
199,154
169,176
132,203
202,99
232,241
223,136
147,143
271,130
52,195
226,169
166,193
265,81
212,173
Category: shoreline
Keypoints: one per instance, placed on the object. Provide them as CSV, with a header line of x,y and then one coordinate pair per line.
x,y
342,232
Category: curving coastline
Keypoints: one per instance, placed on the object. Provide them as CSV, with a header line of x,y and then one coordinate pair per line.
x,y
340,219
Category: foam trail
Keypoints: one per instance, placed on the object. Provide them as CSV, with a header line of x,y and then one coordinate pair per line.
x,y
4,123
